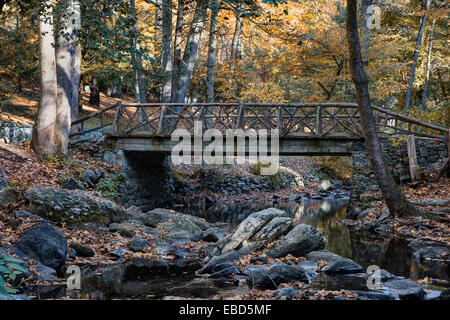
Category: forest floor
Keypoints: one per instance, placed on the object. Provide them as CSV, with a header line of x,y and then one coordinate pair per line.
x,y
22,107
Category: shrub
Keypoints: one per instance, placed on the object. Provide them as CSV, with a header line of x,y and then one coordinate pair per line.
x,y
109,185
10,268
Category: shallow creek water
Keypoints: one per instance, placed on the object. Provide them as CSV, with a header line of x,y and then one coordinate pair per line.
x,y
143,280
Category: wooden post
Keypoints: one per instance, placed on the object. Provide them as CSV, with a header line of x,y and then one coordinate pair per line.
x,y
318,121
240,115
280,119
414,168
116,124
162,114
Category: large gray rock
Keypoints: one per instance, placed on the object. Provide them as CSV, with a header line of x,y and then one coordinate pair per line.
x,y
7,195
298,242
275,228
326,185
250,226
405,289
431,253
158,216
182,230
260,278
335,263
45,244
72,207
138,244
216,260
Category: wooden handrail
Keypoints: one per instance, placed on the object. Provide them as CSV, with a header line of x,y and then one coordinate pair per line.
x,y
283,113
89,116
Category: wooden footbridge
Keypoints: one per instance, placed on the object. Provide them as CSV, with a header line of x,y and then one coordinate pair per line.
x,y
304,128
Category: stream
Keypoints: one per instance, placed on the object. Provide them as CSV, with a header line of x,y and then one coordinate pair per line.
x,y
144,280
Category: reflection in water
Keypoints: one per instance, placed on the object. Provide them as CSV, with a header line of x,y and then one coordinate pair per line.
x,y
367,249
323,214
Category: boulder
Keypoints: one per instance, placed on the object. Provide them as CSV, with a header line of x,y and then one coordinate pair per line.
x,y
158,216
181,230
335,263
72,207
138,244
272,277
405,289
7,195
298,242
118,253
82,250
431,253
224,269
226,257
250,226
45,244
275,228
288,293
71,185
26,214
326,185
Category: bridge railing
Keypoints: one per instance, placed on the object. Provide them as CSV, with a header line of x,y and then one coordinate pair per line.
x,y
314,119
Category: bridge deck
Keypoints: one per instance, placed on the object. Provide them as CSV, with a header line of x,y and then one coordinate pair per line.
x,y
296,144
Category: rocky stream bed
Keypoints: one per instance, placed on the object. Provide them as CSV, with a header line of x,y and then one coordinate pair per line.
x,y
293,248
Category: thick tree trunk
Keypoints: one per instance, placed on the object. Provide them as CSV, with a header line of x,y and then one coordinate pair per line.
x,y
43,140
427,75
396,202
167,64
423,22
65,52
212,51
190,52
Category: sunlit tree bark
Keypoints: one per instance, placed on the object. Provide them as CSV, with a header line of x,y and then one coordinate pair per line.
x,y
43,140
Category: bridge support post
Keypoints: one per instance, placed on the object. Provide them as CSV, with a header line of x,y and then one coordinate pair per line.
x,y
414,168
150,182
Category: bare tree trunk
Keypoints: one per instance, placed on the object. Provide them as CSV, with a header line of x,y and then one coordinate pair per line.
x,y
236,43
43,140
212,51
235,53
76,64
365,31
65,52
177,48
94,96
427,76
396,202
167,64
190,52
158,20
423,21
136,61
